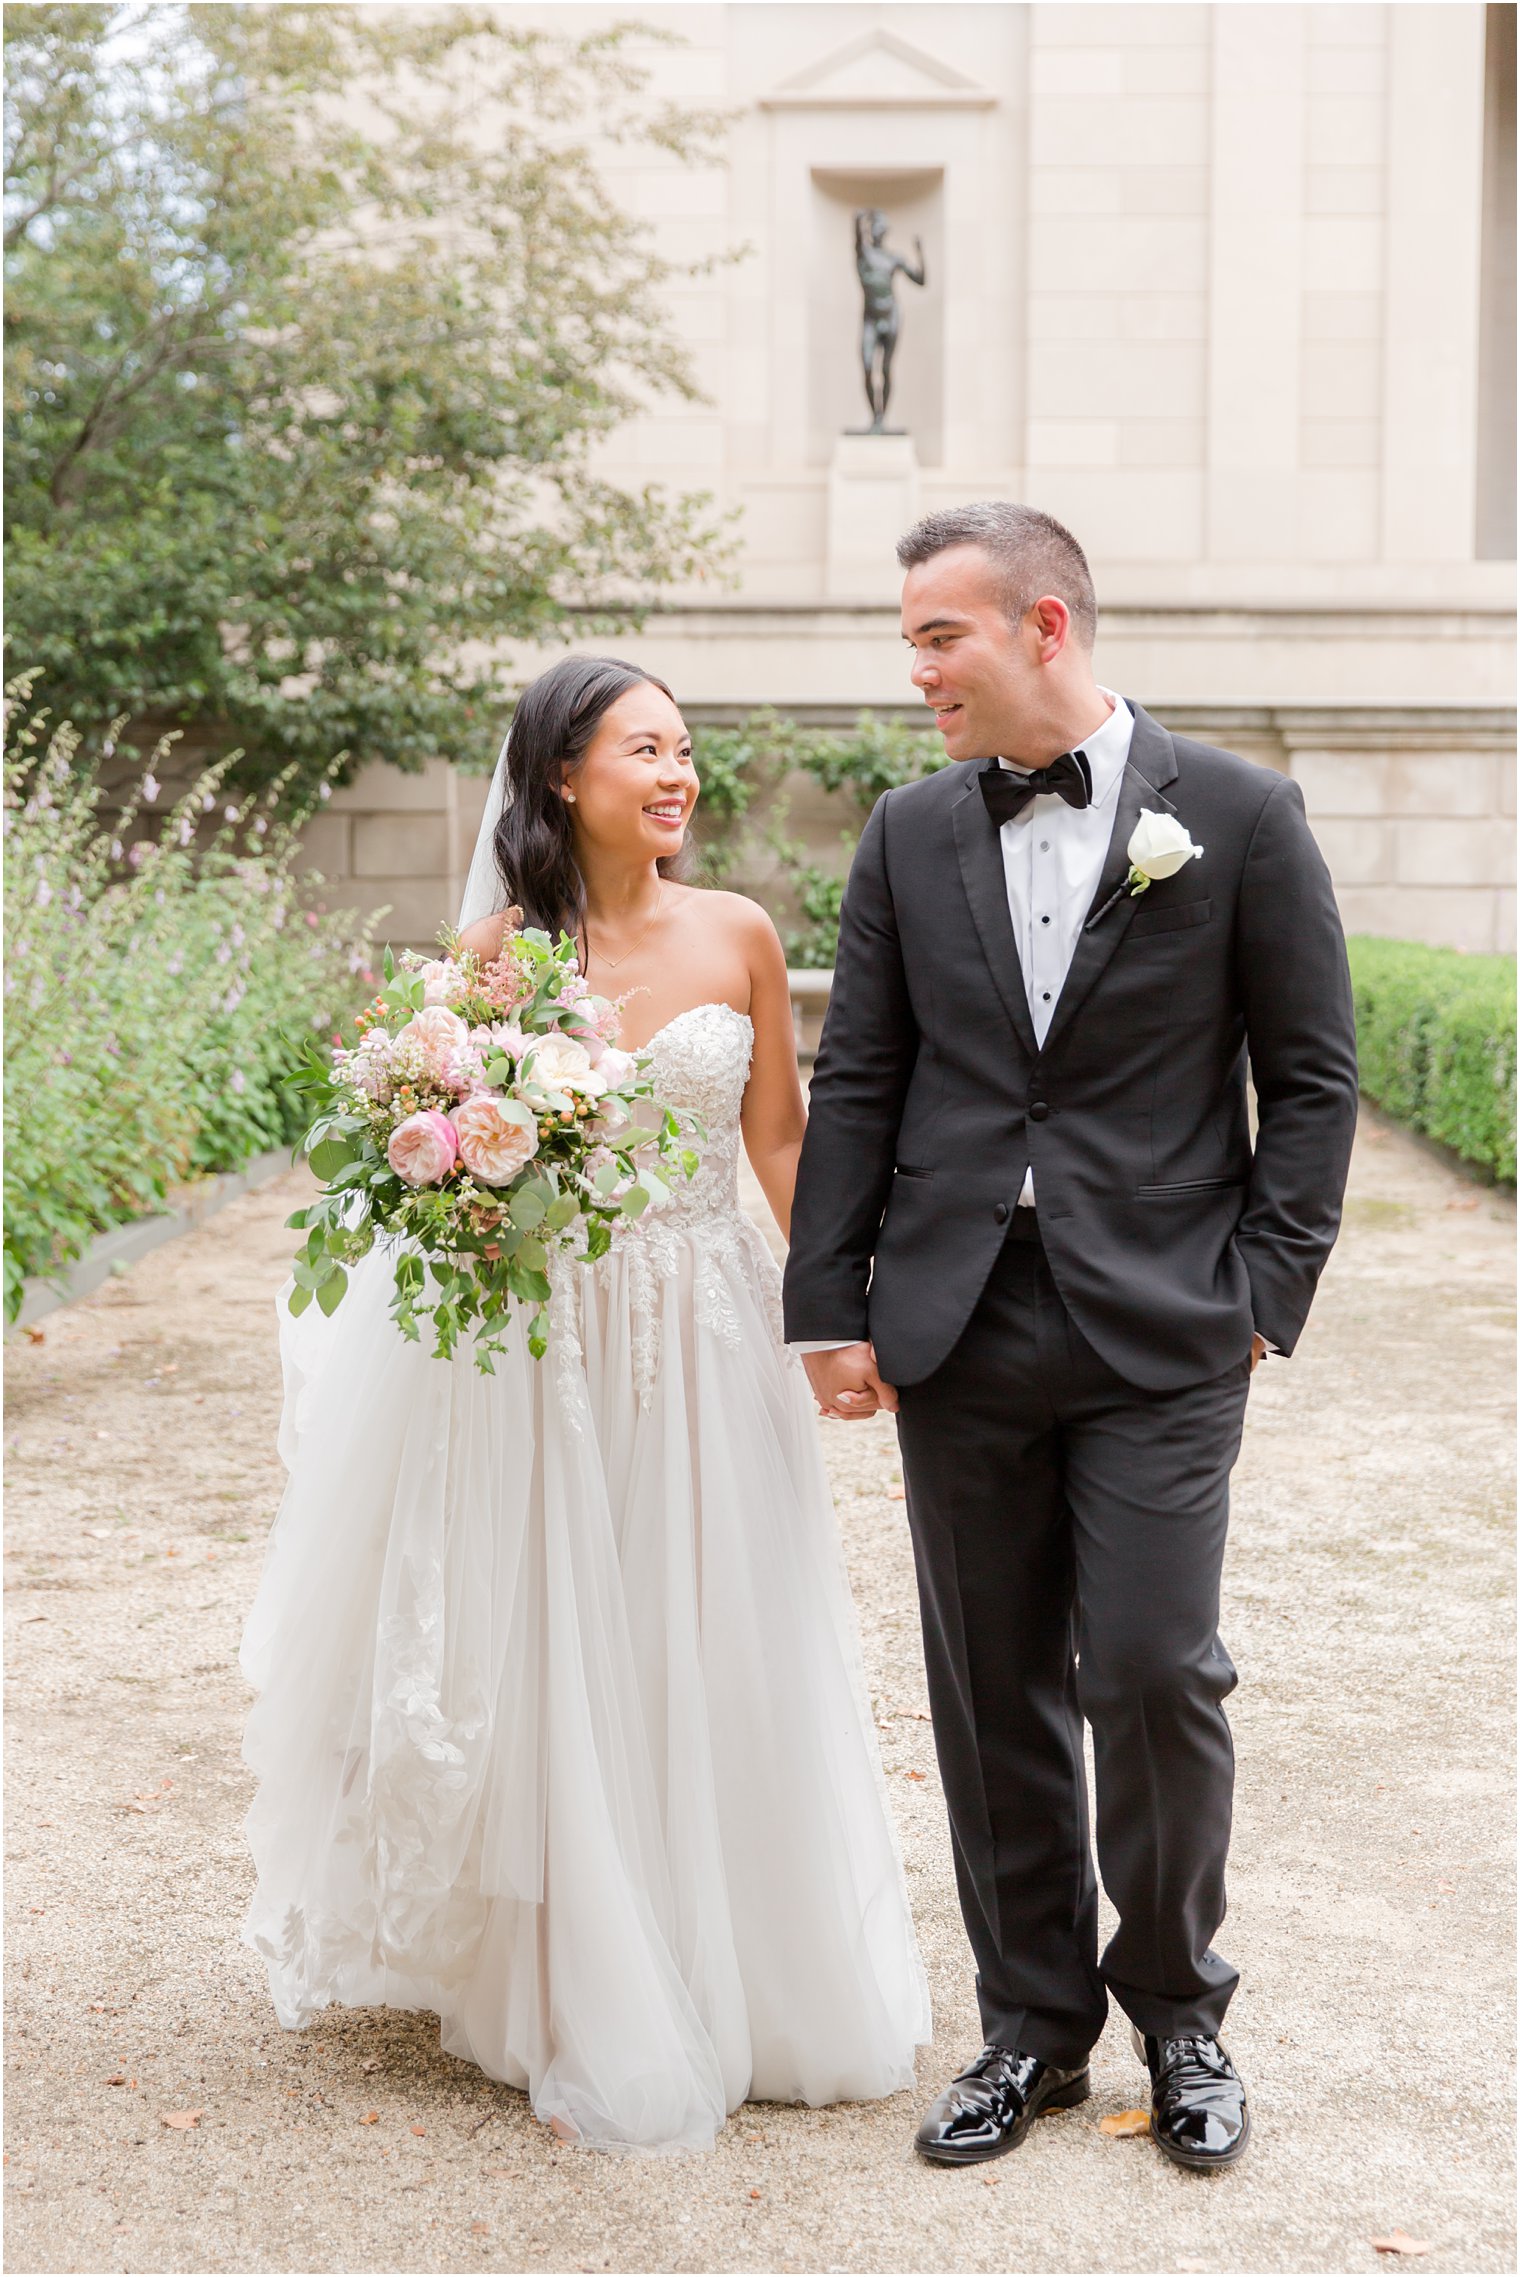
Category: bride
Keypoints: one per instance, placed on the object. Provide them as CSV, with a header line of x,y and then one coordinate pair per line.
x,y
561,1729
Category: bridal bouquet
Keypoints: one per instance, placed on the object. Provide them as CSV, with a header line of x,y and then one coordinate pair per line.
x,y
484,1119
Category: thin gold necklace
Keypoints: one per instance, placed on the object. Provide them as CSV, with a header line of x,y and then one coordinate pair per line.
x,y
612,963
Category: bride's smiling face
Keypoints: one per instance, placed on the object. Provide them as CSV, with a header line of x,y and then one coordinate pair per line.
x,y
634,789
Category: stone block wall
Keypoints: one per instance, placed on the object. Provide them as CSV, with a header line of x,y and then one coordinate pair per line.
x,y
1415,814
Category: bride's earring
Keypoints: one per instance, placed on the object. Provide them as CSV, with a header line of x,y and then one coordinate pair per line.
x,y
569,798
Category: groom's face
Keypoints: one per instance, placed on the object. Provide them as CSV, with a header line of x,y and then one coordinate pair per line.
x,y
969,663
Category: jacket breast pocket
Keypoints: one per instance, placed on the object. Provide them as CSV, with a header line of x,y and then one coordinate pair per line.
x,y
1171,920
907,1170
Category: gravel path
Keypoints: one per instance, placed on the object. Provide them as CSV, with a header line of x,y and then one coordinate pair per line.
x,y
1366,1607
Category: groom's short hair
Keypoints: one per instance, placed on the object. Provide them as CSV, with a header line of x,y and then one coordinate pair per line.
x,y
1032,552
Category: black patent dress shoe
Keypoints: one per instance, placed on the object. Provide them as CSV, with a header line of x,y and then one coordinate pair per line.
x,y
1199,2115
990,2107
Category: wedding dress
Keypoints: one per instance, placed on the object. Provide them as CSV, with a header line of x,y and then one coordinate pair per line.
x,y
561,1729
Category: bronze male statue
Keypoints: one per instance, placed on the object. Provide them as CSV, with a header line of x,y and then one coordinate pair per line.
x,y
877,267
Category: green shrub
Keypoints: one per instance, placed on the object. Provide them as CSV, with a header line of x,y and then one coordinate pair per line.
x,y
1436,1041
747,764
148,981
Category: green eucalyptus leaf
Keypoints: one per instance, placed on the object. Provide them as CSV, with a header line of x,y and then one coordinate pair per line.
x,y
330,1156
330,1294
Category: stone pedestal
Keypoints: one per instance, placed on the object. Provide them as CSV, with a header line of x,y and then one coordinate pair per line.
x,y
873,498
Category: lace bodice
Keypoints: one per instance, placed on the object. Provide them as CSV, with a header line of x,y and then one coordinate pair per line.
x,y
701,1062
700,1239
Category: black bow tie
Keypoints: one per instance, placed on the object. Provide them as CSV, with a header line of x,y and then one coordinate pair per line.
x,y
1007,795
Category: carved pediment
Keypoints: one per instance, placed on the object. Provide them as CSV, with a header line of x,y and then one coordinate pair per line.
x,y
878,71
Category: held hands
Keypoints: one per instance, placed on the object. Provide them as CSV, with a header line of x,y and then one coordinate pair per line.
x,y
846,1385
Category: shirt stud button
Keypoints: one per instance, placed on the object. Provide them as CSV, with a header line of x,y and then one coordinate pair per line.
x,y
1044,845
1045,996
1000,1212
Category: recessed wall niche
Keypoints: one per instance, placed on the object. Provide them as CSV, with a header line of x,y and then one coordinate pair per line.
x,y
913,202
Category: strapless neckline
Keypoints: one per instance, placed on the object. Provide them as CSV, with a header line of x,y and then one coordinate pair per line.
x,y
716,1005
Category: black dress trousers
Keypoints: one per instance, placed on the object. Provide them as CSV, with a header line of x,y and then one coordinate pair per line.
x,y
1069,1530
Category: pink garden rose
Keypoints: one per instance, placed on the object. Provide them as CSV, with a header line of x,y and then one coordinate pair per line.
x,y
438,1035
502,1036
442,981
616,1067
423,1149
492,1146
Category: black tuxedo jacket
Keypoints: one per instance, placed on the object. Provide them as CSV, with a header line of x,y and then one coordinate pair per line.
x,y
1168,1237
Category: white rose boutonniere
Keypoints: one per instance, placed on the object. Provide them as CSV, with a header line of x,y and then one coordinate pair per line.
x,y
1158,848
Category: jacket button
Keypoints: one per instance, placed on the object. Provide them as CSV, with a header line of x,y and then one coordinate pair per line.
x,y
1000,1212
1038,1110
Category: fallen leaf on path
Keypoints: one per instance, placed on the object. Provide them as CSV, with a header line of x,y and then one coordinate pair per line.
x,y
915,1774
36,1335
1399,2241
480,2229
181,2119
897,1494
370,2119
1125,2123
754,2193
370,2063
1463,1202
419,2130
98,1533
117,2079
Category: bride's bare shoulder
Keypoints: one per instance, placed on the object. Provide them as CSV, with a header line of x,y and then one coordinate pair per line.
x,y
484,936
733,916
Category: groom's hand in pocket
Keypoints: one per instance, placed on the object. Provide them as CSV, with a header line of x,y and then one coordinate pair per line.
x,y
846,1385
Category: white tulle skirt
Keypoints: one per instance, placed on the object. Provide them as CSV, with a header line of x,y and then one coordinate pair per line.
x,y
561,1729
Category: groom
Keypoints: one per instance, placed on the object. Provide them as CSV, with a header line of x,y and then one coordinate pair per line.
x,y
1031,1221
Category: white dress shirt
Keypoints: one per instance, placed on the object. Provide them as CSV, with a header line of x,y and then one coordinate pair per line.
x,y
1052,858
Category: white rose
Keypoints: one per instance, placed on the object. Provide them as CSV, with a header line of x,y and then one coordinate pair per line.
x,y
561,1064
1158,848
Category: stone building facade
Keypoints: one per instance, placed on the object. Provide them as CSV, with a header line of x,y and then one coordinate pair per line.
x,y
1229,288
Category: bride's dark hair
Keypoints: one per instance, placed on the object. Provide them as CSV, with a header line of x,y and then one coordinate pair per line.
x,y
557,714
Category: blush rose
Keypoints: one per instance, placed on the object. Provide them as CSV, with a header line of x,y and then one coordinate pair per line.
x,y
423,1149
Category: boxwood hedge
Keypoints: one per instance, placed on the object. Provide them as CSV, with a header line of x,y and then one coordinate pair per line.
x,y
1435,1032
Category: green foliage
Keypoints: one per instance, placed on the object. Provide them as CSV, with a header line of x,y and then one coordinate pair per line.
x,y
147,986
1436,1043
818,894
315,318
739,766
875,755
734,764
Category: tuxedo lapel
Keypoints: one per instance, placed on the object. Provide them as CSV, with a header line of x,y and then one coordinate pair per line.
x,y
1150,766
979,846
